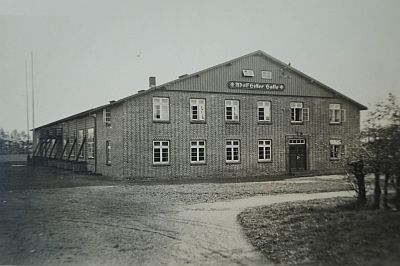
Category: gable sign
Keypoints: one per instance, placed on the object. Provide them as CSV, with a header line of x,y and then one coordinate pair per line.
x,y
256,86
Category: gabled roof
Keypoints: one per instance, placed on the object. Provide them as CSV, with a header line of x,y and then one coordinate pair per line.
x,y
162,86
277,61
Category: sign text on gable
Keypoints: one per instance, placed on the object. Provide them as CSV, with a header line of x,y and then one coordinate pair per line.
x,y
255,85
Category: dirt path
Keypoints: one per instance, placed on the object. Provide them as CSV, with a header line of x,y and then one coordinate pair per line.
x,y
77,222
210,233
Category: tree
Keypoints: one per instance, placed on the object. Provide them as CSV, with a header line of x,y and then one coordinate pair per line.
x,y
383,146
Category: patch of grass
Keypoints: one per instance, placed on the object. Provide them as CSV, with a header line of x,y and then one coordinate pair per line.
x,y
327,232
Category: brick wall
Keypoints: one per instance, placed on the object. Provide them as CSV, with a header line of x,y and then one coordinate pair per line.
x,y
140,132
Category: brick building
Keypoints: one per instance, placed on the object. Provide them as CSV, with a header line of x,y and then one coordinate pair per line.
x,y
253,115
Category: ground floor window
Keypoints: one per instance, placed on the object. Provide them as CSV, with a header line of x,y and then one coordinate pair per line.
x,y
160,152
264,150
108,152
80,141
335,148
232,151
90,143
197,151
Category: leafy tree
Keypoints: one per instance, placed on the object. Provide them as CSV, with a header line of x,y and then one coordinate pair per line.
x,y
383,147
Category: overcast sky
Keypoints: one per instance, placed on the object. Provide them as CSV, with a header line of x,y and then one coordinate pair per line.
x,y
88,52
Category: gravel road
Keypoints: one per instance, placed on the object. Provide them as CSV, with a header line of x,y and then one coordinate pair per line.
x,y
82,221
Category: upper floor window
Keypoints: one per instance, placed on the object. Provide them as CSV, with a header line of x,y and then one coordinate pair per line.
x,y
90,143
232,151
264,111
266,74
197,109
160,109
298,114
108,152
336,113
335,148
198,151
160,152
107,116
264,150
80,142
232,110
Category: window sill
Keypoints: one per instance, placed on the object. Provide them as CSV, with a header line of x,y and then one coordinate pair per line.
x,y
197,121
161,164
90,158
297,123
229,122
264,122
162,121
198,163
335,123
108,164
334,159
265,161
233,162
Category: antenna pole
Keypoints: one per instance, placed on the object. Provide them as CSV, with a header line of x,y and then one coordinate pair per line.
x,y
33,104
27,103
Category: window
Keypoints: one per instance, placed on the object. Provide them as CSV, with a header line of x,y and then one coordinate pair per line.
x,y
108,152
335,148
107,116
197,109
296,112
160,109
248,73
232,151
231,110
80,141
197,151
336,114
264,111
160,152
264,150
265,74
90,143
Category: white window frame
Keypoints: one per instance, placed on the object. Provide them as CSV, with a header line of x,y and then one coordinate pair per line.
x,y
235,107
232,146
198,110
107,116
108,152
266,74
195,147
335,113
265,145
160,146
266,108
90,143
160,109
293,114
79,142
335,149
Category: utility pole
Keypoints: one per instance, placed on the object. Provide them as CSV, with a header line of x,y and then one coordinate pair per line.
x,y
33,105
27,103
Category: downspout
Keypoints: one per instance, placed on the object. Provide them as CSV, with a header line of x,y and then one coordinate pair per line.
x,y
95,142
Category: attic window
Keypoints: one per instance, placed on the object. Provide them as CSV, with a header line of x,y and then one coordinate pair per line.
x,y
248,73
266,74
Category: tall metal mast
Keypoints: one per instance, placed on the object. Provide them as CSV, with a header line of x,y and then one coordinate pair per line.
x,y
27,103
33,103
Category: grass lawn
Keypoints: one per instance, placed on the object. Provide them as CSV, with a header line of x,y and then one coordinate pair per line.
x,y
324,232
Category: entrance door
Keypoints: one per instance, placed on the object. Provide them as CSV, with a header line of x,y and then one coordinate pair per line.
x,y
297,154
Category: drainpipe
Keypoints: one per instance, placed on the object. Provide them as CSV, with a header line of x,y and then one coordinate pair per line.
x,y
95,142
